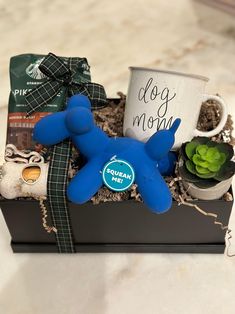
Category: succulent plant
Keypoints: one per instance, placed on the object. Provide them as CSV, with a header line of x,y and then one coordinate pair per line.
x,y
205,163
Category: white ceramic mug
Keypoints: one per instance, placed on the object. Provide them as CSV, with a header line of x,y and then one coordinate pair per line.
x,y
156,98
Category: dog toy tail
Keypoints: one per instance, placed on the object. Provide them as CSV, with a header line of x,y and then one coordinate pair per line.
x,y
175,126
161,142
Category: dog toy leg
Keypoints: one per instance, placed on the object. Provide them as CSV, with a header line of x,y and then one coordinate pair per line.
x,y
153,189
86,182
166,165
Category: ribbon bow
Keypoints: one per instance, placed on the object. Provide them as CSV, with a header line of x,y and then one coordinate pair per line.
x,y
59,75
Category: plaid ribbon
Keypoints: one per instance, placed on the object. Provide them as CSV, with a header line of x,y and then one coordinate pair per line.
x,y
57,202
59,75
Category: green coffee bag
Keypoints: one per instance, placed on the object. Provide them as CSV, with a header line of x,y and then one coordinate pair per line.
x,y
24,76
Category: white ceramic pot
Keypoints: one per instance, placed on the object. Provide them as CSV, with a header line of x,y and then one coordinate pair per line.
x,y
212,193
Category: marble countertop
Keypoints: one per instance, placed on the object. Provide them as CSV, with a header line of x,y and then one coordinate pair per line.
x,y
178,35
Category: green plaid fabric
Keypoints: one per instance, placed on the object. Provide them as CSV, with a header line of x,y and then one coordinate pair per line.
x,y
61,74
57,202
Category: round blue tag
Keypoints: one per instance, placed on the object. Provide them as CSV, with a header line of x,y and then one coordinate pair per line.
x,y
118,175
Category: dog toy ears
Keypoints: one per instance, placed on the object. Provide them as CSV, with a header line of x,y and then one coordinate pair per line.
x,y
163,139
79,101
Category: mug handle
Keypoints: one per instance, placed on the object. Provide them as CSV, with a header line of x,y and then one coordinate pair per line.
x,y
223,118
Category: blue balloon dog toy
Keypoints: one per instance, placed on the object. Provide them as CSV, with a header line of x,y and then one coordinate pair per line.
x,y
149,160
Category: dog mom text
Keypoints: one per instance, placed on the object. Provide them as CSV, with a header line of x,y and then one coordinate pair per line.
x,y
157,120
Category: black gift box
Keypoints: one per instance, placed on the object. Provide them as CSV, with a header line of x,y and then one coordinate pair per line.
x,y
126,226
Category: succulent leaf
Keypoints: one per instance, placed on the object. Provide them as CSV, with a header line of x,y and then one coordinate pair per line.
x,y
212,153
201,170
222,158
182,152
201,150
190,149
190,166
226,171
188,176
227,149
199,161
208,175
214,167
